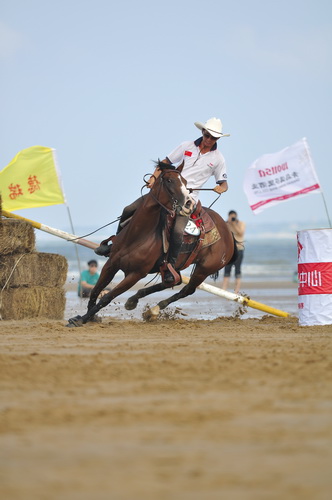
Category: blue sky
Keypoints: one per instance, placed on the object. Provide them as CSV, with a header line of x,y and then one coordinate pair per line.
x,y
113,86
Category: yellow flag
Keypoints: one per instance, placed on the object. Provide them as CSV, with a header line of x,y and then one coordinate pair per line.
x,y
31,180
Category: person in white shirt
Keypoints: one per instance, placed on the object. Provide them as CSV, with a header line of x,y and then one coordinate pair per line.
x,y
202,160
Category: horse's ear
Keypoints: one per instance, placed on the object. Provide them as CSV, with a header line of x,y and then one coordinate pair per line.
x,y
180,167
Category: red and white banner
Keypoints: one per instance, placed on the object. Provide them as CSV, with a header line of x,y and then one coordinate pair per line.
x,y
315,278
277,177
314,249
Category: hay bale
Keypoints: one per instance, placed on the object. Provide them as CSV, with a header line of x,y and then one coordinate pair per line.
x,y
16,237
32,302
31,283
33,269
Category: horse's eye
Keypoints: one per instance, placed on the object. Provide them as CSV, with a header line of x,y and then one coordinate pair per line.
x,y
169,181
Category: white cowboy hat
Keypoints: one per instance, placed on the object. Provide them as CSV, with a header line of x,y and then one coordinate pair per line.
x,y
213,126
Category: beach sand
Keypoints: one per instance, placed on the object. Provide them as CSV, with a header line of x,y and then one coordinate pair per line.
x,y
174,409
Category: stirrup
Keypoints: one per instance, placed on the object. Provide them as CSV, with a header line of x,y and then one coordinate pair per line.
x,y
169,275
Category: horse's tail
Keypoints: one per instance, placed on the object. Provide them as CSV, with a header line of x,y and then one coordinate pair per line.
x,y
235,255
236,251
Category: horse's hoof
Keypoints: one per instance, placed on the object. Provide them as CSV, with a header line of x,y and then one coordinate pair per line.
x,y
131,304
163,304
76,321
151,314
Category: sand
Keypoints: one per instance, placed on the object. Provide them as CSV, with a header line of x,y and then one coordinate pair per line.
x,y
224,409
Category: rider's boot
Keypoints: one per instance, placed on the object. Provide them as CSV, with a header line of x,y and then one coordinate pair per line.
x,y
171,276
105,247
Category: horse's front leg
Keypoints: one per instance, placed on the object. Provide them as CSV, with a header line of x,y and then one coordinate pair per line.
x,y
95,292
122,287
143,292
107,274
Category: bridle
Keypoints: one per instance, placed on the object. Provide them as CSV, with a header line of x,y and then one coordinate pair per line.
x,y
175,203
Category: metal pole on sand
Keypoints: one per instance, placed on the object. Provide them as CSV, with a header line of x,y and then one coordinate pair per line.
x,y
204,286
238,298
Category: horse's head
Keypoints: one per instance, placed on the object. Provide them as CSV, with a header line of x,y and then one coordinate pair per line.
x,y
170,190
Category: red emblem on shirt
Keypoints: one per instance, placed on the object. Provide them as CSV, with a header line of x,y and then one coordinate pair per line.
x,y
188,153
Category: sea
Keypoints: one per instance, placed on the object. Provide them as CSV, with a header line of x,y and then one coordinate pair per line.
x,y
269,276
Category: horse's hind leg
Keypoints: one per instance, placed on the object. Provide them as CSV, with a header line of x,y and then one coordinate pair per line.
x,y
196,279
143,292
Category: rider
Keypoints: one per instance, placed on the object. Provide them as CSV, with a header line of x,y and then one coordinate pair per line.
x,y
201,161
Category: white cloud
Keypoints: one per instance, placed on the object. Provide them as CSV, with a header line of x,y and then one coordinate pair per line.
x,y
10,41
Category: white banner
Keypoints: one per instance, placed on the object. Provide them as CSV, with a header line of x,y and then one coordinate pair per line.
x,y
281,176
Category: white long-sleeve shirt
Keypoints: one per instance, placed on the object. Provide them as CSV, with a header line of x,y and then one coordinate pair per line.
x,y
198,167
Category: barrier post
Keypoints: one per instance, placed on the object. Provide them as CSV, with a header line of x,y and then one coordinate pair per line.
x,y
314,249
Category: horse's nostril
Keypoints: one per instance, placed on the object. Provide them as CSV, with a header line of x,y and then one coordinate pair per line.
x,y
188,204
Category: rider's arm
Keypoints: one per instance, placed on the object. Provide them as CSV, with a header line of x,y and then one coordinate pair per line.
x,y
221,187
156,174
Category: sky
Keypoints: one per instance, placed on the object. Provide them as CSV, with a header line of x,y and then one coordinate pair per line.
x,y
113,86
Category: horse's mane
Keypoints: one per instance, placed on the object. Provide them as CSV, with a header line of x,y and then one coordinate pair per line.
x,y
164,166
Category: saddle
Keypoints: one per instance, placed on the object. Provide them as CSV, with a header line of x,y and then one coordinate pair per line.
x,y
200,232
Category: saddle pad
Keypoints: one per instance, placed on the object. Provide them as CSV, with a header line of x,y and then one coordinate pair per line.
x,y
211,237
189,242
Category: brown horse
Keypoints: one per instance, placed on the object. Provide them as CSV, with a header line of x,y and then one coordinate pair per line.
x,y
138,249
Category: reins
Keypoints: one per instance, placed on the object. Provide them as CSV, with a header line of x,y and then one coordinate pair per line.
x,y
99,228
205,189
199,189
175,201
172,212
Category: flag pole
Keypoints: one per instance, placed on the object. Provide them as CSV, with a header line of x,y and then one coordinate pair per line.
x,y
55,159
327,212
315,173
76,248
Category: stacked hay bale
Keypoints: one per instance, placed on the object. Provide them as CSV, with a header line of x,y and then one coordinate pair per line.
x,y
31,283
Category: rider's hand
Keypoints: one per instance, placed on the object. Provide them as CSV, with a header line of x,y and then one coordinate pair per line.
x,y
218,189
150,182
221,188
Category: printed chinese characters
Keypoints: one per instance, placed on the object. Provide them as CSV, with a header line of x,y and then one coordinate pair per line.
x,y
16,190
33,183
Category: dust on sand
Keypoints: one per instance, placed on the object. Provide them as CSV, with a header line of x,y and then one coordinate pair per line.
x,y
230,408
